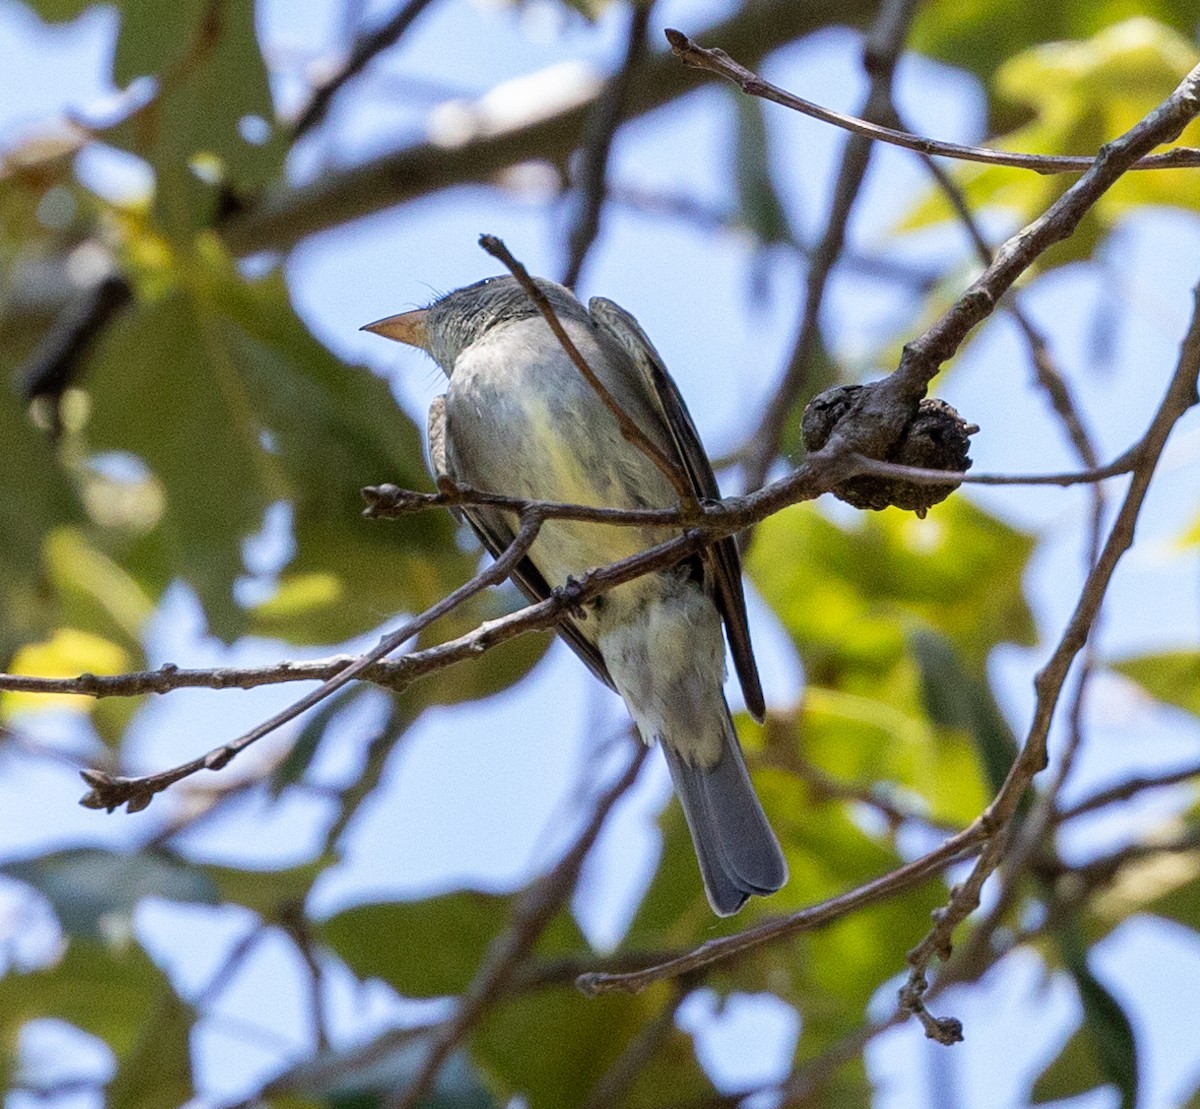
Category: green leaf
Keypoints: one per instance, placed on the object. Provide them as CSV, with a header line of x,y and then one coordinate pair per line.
x,y
157,1071
29,511
333,428
427,948
957,699
759,205
219,388
1172,677
210,78
850,597
316,724
94,892
673,1067
269,893
167,388
983,35
863,741
1103,1019
551,1047
1075,1070
1080,95
106,991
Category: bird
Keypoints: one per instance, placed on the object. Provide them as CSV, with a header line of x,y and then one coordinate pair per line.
x,y
520,418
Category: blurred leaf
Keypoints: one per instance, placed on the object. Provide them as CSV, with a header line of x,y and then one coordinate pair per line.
x,y
894,620
67,653
1103,1019
94,892
316,724
551,1047
851,597
1074,1071
1081,94
863,741
211,80
223,362
759,205
157,1071
591,10
334,428
266,892
426,948
957,699
29,511
54,11
1172,677
162,384
983,35
673,1067
493,671
95,592
106,991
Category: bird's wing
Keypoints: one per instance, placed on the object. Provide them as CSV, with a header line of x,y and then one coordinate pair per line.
x,y
495,532
723,565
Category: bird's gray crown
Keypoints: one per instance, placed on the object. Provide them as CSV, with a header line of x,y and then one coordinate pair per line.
x,y
459,318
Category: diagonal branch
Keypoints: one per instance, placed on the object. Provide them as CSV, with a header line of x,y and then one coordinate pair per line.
x,y
602,125
880,55
110,792
365,49
629,428
1179,397
719,62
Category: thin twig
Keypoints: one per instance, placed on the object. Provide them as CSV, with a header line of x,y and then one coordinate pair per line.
x,y
881,51
366,48
592,168
110,792
1131,787
629,428
720,63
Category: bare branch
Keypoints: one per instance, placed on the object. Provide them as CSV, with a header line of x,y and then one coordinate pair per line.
x,y
109,791
602,125
1131,787
719,62
365,49
881,51
1179,397
805,920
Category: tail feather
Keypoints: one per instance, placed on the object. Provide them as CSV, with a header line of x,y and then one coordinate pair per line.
x,y
737,850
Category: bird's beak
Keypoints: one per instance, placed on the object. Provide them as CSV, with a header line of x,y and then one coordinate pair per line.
x,y
408,327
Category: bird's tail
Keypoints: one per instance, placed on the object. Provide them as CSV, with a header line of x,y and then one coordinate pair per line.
x,y
738,852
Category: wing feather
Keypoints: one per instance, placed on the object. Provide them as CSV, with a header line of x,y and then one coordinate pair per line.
x,y
723,566
495,532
